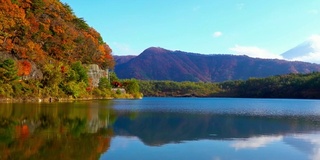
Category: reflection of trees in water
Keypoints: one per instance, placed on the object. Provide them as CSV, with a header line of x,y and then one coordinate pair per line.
x,y
154,128
55,131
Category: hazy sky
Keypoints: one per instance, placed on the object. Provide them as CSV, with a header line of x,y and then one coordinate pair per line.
x,y
263,27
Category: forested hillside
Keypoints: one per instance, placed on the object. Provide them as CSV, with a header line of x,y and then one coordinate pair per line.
x,y
43,31
282,86
44,51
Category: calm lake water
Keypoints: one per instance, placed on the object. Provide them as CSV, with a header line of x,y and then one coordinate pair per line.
x,y
162,128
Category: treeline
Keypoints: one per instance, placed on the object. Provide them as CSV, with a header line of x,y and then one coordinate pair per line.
x,y
61,81
178,89
282,86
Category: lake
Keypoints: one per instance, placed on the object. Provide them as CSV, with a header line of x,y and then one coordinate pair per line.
x,y
162,128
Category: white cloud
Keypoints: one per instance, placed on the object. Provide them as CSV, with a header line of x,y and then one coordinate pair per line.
x,y
310,57
255,142
314,56
312,140
217,34
253,51
122,49
315,40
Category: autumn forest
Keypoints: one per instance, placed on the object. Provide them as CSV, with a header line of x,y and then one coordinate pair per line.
x,y
44,50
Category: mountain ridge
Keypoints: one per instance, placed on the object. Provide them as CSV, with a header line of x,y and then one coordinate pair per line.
x,y
186,66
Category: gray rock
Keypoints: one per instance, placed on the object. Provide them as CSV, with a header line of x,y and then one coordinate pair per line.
x,y
95,73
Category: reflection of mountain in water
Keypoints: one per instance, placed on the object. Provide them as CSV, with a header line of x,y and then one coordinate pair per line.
x,y
169,127
83,130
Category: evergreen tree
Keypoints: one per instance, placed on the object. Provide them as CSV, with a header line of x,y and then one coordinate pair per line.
x,y
8,71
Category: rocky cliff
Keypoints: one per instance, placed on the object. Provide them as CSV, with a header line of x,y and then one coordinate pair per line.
x,y
95,73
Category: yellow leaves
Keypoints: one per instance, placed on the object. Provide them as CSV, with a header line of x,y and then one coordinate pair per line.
x,y
30,45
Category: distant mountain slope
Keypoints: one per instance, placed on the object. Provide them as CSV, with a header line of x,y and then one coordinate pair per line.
x,y
161,64
122,59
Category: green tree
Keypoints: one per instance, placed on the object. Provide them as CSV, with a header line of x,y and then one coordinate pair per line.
x,y
8,71
81,73
52,78
74,89
104,83
132,86
113,77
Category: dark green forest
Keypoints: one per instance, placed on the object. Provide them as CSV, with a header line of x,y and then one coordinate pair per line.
x,y
281,86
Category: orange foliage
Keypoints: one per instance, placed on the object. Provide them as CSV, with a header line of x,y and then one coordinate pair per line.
x,y
22,131
34,30
104,144
9,44
22,51
24,68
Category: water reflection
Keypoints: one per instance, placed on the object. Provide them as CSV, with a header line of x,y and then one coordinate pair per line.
x,y
151,129
267,147
155,128
52,131
307,143
255,142
242,131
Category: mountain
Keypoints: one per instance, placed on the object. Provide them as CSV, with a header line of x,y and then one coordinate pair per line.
x,y
165,129
161,64
122,59
308,51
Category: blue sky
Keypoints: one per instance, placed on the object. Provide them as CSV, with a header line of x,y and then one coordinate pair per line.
x,y
261,27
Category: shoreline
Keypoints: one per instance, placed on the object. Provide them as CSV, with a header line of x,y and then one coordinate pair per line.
x,y
55,99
